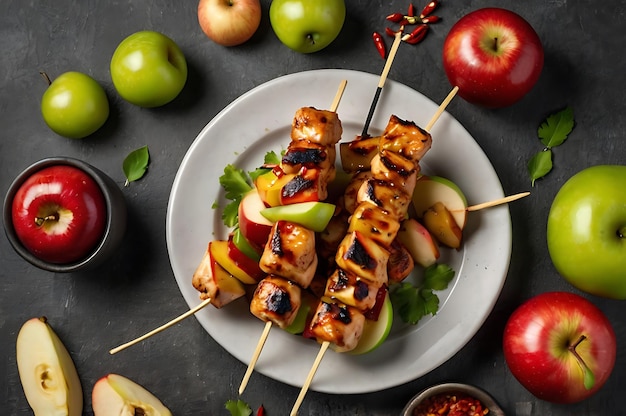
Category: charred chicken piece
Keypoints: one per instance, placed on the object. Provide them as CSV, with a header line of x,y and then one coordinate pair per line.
x,y
348,289
338,324
363,257
290,253
319,126
277,300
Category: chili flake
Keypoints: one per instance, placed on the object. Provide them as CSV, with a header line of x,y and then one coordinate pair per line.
x,y
446,404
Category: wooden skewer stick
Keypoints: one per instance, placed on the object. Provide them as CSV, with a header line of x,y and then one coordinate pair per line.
x,y
268,324
309,378
441,109
162,327
255,356
381,81
496,202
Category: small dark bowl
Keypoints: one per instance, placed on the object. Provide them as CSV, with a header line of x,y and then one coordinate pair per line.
x,y
458,388
115,226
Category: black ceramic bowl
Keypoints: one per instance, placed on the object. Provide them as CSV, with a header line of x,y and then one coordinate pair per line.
x,y
454,388
115,225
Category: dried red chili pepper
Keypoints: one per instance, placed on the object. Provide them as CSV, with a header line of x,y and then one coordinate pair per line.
x,y
416,35
431,19
380,44
429,8
395,17
261,411
411,11
390,32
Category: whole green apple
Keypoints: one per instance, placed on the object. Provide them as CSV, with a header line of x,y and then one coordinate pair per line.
x,y
307,25
587,231
148,69
74,105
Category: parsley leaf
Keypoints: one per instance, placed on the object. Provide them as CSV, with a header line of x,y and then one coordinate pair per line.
x,y
271,158
413,302
236,184
238,408
552,132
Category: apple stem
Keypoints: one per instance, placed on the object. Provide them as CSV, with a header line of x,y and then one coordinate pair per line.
x,y
588,377
41,220
46,77
495,44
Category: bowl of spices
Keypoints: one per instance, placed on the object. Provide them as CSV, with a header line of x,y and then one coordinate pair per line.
x,y
452,399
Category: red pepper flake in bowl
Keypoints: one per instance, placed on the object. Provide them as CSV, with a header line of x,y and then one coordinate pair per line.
x,y
447,404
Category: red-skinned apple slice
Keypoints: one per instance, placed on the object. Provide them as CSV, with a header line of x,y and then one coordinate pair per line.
x,y
214,282
254,226
115,395
431,189
244,245
243,262
420,243
312,215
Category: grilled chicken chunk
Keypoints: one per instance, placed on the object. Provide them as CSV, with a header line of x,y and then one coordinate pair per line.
x,y
340,325
400,263
290,253
212,281
318,126
374,223
405,138
304,153
395,200
350,290
363,257
350,194
394,168
277,300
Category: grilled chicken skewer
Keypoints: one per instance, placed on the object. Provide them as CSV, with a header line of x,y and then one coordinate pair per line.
x,y
289,256
381,202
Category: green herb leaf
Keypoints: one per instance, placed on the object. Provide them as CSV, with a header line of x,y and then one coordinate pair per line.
x,y
412,302
554,130
236,184
271,158
238,408
438,276
135,164
540,165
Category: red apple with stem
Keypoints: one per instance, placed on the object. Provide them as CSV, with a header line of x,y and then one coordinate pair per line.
x,y
560,347
494,56
229,22
59,214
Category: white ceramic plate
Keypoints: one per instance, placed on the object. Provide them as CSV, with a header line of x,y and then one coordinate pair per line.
x,y
260,121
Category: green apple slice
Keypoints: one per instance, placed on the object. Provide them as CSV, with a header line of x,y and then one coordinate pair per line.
x,y
47,372
432,189
244,246
375,332
115,395
312,215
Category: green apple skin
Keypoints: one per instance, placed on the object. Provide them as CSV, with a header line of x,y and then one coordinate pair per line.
x,y
312,215
375,332
307,26
74,105
586,231
148,69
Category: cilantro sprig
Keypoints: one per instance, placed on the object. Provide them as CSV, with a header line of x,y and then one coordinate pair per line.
x,y
415,302
236,182
552,132
238,408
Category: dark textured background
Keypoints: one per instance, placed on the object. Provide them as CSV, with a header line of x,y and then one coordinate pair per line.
x,y
137,292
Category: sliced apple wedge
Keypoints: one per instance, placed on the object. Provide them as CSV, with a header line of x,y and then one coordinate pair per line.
x,y
214,282
442,225
254,227
312,215
219,250
47,372
115,395
376,332
420,243
431,189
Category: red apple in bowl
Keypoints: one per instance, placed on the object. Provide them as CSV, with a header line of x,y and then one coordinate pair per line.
x,y
229,22
493,56
62,214
560,347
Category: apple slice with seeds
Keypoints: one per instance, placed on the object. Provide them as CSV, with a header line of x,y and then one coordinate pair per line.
x,y
115,395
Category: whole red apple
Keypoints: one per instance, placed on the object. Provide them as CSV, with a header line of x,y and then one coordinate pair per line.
x,y
560,347
59,214
229,22
494,56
